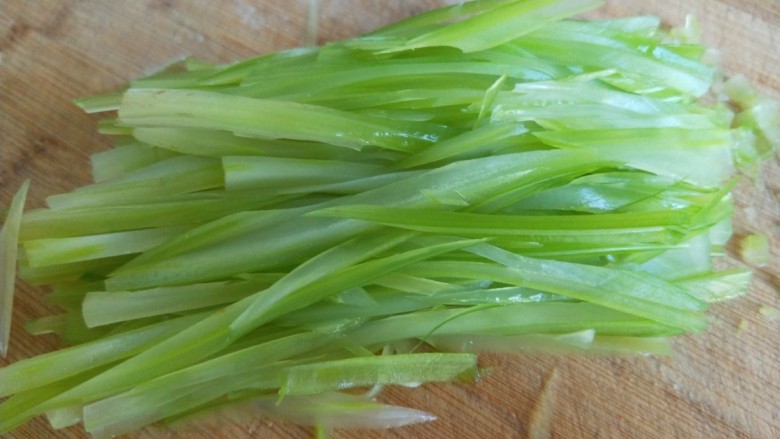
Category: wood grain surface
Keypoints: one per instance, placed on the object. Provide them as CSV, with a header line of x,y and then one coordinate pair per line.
x,y
724,383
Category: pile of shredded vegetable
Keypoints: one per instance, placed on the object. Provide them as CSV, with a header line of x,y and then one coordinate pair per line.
x,y
294,231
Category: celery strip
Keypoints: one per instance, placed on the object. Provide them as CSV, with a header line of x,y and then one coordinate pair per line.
x,y
580,343
122,159
9,245
103,308
515,319
500,25
215,143
53,251
330,409
316,80
159,181
90,270
99,103
268,172
492,134
403,369
271,119
189,210
476,224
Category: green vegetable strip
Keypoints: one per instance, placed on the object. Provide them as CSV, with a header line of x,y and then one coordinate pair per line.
x,y
492,134
43,252
160,181
214,143
390,302
103,308
194,209
500,25
264,119
9,244
269,172
476,224
414,93
516,319
109,127
403,369
95,269
578,343
100,103
411,284
314,80
123,159
331,409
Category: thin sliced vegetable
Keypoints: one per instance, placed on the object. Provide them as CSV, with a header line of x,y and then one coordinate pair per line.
x,y
9,243
276,234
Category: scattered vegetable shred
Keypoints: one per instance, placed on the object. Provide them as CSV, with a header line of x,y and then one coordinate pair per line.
x,y
490,176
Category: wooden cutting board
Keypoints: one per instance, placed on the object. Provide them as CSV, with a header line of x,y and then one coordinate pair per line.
x,y
724,383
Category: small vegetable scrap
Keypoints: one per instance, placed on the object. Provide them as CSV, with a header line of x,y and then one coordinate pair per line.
x,y
280,232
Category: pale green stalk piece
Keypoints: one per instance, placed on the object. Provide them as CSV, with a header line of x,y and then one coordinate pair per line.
x,y
516,319
581,343
104,308
122,159
159,181
9,245
92,220
328,410
54,251
403,369
261,118
499,25
242,172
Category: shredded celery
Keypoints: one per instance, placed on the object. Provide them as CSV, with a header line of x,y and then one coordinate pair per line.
x,y
492,176
9,243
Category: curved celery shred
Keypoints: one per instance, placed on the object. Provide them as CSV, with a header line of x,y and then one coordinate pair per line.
x,y
9,244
